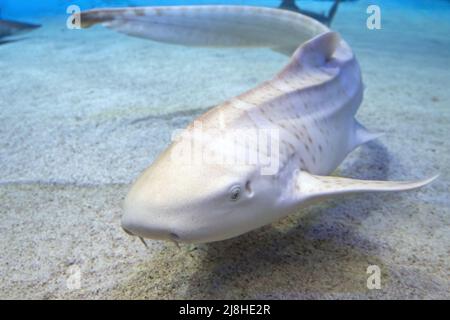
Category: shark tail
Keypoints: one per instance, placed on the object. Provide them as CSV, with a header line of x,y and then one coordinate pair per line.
x,y
210,26
97,16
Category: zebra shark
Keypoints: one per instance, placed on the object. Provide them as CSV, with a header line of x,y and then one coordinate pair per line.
x,y
307,111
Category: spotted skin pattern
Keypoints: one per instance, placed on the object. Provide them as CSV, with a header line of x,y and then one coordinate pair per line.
x,y
309,107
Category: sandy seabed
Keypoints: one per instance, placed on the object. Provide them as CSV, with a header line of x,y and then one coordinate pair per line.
x,y
82,112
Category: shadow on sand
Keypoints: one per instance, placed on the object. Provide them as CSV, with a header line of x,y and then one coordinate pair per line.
x,y
313,254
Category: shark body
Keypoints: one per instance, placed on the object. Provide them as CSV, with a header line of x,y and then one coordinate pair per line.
x,y
308,109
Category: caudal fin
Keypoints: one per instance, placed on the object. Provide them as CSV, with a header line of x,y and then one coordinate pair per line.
x,y
98,16
210,26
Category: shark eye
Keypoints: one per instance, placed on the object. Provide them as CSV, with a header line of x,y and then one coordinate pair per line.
x,y
235,193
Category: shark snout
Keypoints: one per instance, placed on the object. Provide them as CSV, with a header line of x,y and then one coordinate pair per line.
x,y
141,218
145,227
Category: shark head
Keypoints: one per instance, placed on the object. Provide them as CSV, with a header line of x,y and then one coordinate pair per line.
x,y
202,202
198,203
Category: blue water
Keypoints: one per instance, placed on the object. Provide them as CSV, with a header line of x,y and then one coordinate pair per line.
x,y
29,8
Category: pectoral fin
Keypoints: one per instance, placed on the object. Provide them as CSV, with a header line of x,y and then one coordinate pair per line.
x,y
312,186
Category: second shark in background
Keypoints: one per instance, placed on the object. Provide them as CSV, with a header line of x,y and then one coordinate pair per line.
x,y
9,29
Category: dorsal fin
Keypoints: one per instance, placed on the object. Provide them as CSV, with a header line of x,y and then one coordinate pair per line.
x,y
325,56
318,50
